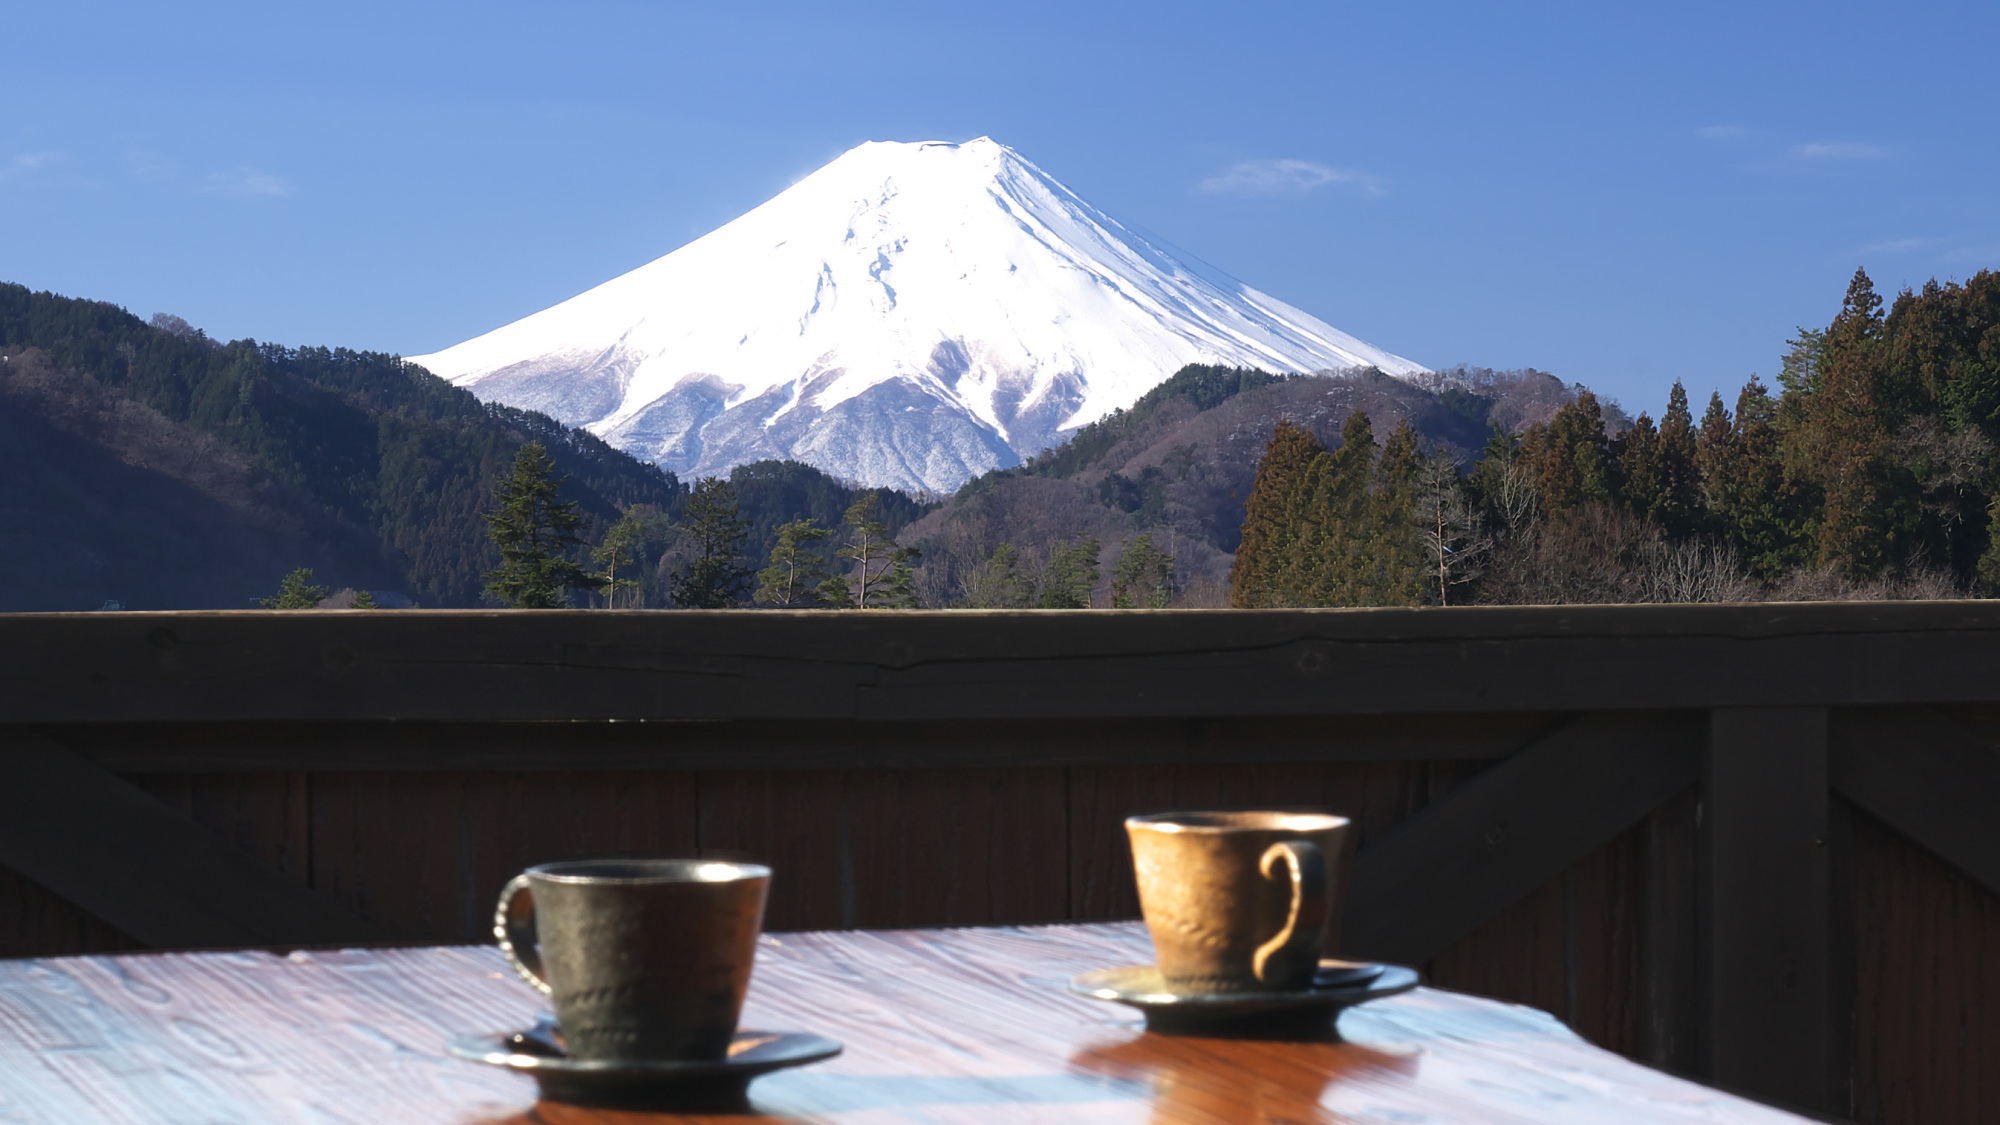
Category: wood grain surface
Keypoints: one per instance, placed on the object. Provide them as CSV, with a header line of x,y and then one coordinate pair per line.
x,y
1927,988
441,665
939,1026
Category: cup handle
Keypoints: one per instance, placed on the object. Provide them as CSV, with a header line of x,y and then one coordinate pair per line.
x,y
1306,921
514,925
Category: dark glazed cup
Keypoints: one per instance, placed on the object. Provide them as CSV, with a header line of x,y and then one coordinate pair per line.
x,y
1240,901
642,958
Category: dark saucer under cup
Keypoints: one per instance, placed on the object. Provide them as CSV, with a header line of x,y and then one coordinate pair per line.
x,y
1307,1013
690,1085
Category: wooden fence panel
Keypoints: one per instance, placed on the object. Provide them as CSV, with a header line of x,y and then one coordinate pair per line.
x,y
1377,795
893,848
1571,947
1927,986
423,855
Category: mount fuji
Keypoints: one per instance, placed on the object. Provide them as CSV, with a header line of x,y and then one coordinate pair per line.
x,y
910,315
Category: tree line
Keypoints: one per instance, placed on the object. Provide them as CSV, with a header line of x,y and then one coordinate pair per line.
x,y
857,565
1873,469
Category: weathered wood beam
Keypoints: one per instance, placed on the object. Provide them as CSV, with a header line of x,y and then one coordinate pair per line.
x,y
1765,954
1932,779
119,853
1473,853
892,666
146,748
1669,933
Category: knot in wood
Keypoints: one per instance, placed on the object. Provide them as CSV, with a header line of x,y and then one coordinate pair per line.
x,y
1494,836
1311,660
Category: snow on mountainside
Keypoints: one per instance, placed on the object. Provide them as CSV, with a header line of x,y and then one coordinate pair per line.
x,y
910,315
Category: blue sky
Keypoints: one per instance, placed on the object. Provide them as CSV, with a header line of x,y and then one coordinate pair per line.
x,y
1620,195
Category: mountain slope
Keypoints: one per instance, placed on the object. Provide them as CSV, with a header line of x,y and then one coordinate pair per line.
x,y
1180,464
158,467
910,315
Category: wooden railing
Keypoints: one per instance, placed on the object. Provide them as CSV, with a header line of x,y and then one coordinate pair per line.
x,y
1757,844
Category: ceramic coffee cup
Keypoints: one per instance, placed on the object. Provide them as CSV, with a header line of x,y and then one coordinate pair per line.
x,y
1241,901
642,958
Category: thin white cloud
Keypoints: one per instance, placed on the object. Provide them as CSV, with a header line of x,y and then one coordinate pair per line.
x,y
1896,246
1722,133
1287,177
249,182
27,163
149,166
1985,256
1837,150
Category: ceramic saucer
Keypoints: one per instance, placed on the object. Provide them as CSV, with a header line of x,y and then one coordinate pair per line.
x,y
1308,1012
719,1085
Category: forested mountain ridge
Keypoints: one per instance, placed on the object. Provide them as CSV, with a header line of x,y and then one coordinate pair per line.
x,y
1873,472
146,463
1179,464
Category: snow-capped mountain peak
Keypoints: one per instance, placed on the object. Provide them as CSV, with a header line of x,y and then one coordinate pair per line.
x,y
911,314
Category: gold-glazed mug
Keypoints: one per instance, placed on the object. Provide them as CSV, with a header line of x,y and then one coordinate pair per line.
x,y
1241,901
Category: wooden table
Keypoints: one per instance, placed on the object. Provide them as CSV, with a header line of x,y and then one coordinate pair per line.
x,y
968,1025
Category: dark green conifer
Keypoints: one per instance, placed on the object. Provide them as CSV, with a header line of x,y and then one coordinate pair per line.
x,y
999,582
1394,563
1762,506
1071,576
1639,470
296,591
534,531
881,574
797,574
713,527
1271,518
1678,509
1144,576
1574,456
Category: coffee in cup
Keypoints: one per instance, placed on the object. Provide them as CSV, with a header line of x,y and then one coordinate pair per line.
x,y
1241,901
643,959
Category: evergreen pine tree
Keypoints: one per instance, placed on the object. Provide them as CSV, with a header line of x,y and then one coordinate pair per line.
x,y
1762,506
999,583
1714,447
1855,327
1798,371
1143,577
881,575
1641,476
1271,517
1325,561
714,575
1071,575
1574,457
364,599
296,591
796,574
1394,562
1679,509
533,530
